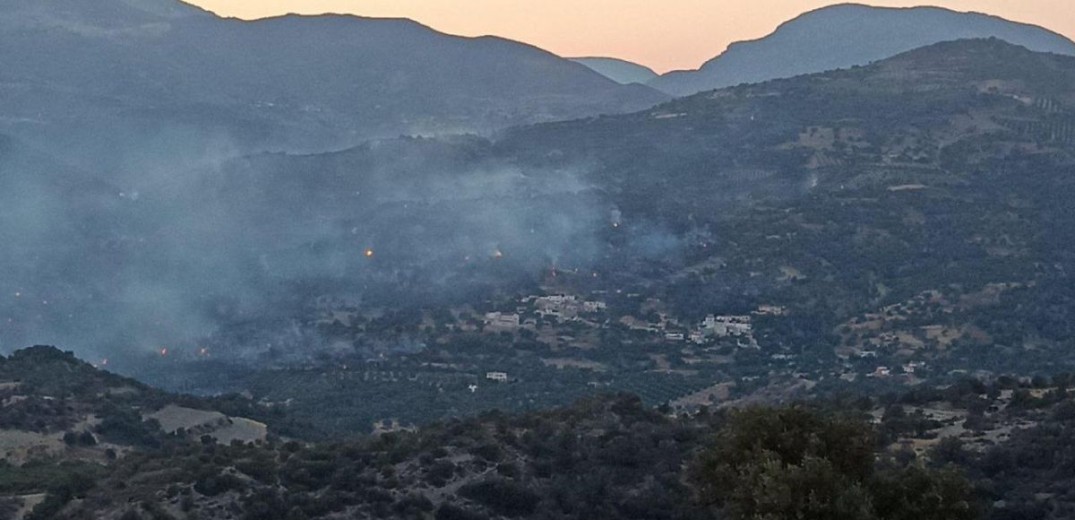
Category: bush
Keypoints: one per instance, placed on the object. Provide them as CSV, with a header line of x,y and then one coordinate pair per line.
x,y
450,512
796,463
502,496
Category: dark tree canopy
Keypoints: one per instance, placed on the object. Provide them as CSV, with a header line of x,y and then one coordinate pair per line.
x,y
793,463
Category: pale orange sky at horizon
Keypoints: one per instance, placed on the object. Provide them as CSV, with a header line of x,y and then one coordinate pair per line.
x,y
664,35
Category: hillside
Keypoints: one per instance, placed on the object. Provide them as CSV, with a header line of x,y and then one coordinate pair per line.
x,y
990,449
166,74
65,423
637,462
61,416
870,226
844,295
864,230
847,35
780,193
854,191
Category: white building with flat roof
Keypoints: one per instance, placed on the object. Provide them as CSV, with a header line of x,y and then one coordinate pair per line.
x,y
502,320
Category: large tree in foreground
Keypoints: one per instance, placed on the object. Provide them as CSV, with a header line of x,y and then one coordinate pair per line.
x,y
796,464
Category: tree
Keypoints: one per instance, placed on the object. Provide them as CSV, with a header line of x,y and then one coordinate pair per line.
x,y
949,450
502,496
794,463
916,493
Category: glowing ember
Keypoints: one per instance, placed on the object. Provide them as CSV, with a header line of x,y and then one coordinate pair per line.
x,y
164,351
369,253
498,254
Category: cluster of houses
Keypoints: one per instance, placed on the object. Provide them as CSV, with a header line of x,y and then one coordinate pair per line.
x,y
559,307
909,369
568,308
562,307
715,327
726,326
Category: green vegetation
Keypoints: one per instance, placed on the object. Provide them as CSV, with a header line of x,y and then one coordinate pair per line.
x,y
608,457
794,463
974,449
42,475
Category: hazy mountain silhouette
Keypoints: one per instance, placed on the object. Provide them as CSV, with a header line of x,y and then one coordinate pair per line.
x,y
138,67
846,35
620,71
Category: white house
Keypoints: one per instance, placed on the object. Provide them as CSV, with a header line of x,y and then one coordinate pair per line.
x,y
881,372
724,326
502,321
499,377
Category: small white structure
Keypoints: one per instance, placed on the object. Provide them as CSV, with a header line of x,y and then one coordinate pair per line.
x,y
881,372
557,299
724,326
559,306
771,310
502,321
674,336
594,306
499,377
910,368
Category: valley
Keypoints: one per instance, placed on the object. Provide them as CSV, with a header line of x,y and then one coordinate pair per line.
x,y
340,267
851,240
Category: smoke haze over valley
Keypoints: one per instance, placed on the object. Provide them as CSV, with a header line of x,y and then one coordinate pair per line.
x,y
142,207
163,258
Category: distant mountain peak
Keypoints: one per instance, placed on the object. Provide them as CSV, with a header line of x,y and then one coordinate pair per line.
x,y
846,35
621,71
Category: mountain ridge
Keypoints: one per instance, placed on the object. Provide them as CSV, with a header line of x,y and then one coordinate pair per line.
x,y
852,34
291,82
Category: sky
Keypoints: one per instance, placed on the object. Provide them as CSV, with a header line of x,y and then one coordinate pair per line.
x,y
664,35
